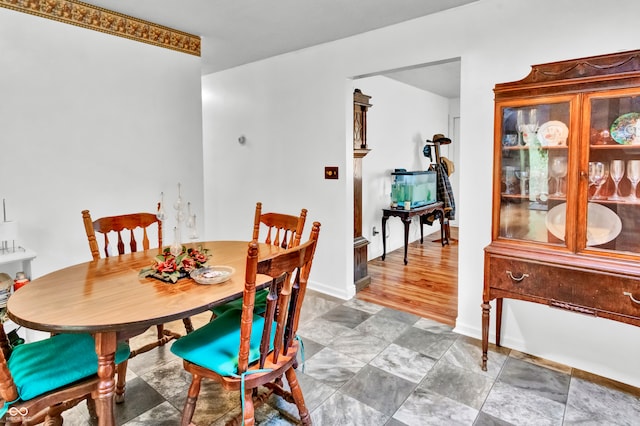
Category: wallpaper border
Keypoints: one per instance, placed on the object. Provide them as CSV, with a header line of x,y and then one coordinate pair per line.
x,y
106,21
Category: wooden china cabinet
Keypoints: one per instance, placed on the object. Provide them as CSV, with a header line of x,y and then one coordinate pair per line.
x,y
566,209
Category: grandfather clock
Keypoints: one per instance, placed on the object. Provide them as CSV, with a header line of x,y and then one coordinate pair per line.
x,y
361,103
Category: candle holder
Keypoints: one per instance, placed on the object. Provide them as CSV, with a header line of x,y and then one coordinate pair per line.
x,y
8,233
187,218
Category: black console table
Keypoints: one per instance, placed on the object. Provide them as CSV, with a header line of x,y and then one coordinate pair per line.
x,y
436,208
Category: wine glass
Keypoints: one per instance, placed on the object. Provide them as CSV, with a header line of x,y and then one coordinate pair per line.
x,y
605,178
596,175
533,118
519,124
633,174
523,176
558,170
616,170
509,179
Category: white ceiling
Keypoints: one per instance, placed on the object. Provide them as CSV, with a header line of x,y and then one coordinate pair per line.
x,y
442,78
236,32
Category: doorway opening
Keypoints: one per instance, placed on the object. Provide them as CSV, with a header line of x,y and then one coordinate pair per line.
x,y
409,106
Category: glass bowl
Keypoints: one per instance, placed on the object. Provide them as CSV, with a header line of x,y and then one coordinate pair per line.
x,y
212,274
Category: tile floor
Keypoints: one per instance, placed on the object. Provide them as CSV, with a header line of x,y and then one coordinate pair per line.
x,y
369,365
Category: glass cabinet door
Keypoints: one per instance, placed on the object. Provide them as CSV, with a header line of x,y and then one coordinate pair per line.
x,y
534,162
613,207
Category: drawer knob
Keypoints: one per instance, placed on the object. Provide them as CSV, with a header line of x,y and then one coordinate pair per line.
x,y
633,299
517,279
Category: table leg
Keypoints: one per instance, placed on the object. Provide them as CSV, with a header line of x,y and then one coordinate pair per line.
x,y
106,350
444,235
421,224
407,222
384,236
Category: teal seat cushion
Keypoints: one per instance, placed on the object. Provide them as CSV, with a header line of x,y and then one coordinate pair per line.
x,y
260,304
49,364
215,346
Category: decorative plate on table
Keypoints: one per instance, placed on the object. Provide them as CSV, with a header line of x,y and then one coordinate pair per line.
x,y
624,129
553,133
212,274
603,224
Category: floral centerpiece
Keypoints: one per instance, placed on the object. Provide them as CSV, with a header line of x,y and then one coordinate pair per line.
x,y
170,268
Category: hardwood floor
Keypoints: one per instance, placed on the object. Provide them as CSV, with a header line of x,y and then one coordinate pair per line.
x,y
427,286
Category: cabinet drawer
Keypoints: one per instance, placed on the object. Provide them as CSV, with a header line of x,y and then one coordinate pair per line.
x,y
558,285
528,278
613,295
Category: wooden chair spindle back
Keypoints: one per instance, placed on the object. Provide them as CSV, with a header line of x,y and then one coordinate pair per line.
x,y
289,272
282,230
118,224
8,390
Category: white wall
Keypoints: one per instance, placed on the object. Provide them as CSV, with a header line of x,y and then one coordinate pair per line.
x,y
298,104
401,119
91,121
287,113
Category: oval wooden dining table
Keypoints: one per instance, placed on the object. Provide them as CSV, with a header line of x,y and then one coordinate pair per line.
x,y
107,298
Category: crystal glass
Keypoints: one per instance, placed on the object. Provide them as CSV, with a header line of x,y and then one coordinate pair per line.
x,y
519,124
616,170
596,175
523,176
558,170
527,127
509,179
533,118
604,179
633,174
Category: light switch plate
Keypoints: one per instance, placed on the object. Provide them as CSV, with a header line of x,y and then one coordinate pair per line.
x,y
331,172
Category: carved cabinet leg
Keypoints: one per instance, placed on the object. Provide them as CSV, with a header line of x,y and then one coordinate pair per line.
x,y
486,308
498,320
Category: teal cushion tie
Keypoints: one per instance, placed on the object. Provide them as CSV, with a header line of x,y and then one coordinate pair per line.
x,y
49,364
260,304
215,345
301,351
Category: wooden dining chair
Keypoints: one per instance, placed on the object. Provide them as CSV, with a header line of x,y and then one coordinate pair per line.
x,y
115,226
282,230
267,345
41,380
